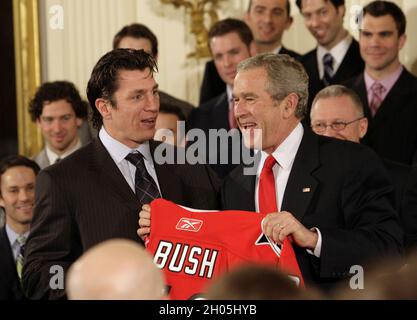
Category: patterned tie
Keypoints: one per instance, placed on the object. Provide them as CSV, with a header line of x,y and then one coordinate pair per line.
x,y
378,91
145,187
21,240
267,204
232,118
328,69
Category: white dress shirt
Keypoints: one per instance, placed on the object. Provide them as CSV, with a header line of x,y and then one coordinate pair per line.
x,y
52,156
284,155
338,52
118,151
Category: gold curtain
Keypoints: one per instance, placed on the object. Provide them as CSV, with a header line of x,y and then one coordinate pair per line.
x,y
28,73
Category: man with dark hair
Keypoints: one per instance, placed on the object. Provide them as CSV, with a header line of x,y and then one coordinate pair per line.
x,y
138,36
230,42
96,193
59,111
268,20
336,58
387,90
17,197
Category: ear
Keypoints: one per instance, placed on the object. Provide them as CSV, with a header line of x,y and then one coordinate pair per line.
x,y
290,103
38,122
402,41
2,202
363,127
341,10
79,122
104,107
289,22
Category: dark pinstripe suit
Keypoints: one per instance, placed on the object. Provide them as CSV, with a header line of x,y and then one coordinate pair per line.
x,y
85,200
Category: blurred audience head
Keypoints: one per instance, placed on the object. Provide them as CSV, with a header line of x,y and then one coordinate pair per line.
x,y
137,36
324,20
268,19
17,191
256,282
337,112
381,37
58,110
115,270
390,281
230,42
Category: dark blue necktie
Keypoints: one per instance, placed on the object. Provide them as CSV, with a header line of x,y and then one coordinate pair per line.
x,y
145,187
328,69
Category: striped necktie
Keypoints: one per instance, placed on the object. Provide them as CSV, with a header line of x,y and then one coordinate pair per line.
x,y
328,69
145,186
21,240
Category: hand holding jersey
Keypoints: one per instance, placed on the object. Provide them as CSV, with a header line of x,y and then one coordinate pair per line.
x,y
279,225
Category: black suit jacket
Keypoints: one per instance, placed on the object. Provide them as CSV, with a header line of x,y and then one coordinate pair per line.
x,y
350,203
212,85
404,179
352,65
392,132
10,288
84,200
214,114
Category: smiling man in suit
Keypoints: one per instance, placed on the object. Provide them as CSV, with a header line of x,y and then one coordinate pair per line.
x,y
387,89
96,193
337,212
230,41
336,58
268,20
17,197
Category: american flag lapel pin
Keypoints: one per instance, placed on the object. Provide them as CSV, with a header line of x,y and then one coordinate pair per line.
x,y
306,190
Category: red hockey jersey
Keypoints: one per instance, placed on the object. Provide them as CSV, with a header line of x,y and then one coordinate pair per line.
x,y
193,247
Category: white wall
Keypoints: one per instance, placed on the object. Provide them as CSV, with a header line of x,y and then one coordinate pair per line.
x,y
89,27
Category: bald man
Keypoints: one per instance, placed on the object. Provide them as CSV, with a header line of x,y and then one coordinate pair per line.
x,y
115,270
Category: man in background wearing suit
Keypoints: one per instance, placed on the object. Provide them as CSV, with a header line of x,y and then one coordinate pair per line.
x,y
268,19
96,193
337,211
336,58
230,41
138,36
387,90
17,197
59,112
338,112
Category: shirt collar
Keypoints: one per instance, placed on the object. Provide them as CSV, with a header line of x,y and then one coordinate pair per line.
x,y
287,150
388,82
52,156
229,92
118,151
13,235
338,52
277,49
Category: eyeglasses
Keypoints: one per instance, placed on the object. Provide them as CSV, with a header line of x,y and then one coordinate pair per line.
x,y
336,126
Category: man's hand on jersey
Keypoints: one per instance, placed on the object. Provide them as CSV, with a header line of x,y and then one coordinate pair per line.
x,y
144,221
279,225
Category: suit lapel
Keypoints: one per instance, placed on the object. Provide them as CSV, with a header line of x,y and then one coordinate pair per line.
x,y
170,183
110,177
301,184
220,113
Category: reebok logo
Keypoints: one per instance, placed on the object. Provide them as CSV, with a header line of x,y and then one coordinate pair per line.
x,y
187,224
